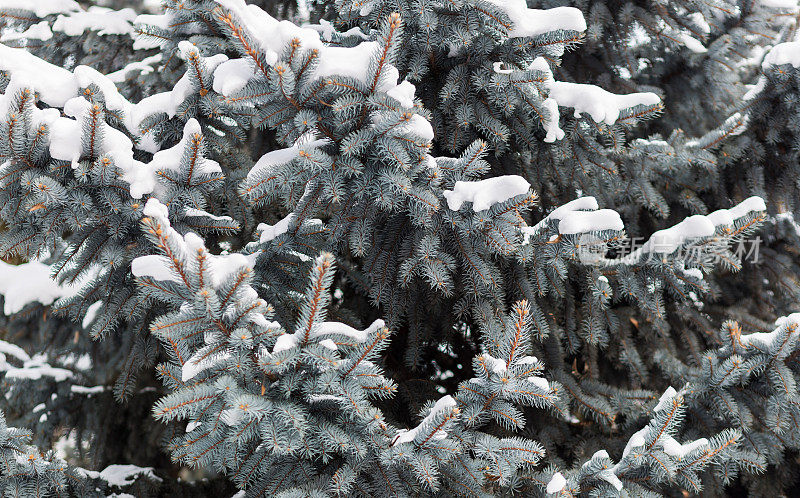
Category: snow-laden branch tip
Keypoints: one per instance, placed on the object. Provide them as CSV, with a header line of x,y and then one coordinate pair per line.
x,y
578,216
483,194
273,36
42,8
527,22
102,20
668,240
783,53
601,105
59,88
763,340
161,268
28,283
407,435
288,341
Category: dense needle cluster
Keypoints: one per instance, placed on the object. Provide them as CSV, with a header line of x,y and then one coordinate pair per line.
x,y
399,248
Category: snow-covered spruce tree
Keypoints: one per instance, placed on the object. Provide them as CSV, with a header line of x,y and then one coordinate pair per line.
x,y
192,195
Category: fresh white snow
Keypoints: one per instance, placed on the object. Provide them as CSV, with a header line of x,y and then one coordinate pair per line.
x,y
54,84
288,341
87,390
42,8
578,216
278,157
764,340
35,369
728,216
496,365
403,93
144,66
666,399
272,36
533,22
675,449
556,484
159,267
269,232
601,105
146,179
539,382
28,283
232,75
91,313
590,221
17,352
120,475
101,19
199,362
408,435
40,31
783,53
483,194
668,240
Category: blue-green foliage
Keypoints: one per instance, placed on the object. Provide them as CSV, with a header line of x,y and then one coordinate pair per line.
x,y
490,330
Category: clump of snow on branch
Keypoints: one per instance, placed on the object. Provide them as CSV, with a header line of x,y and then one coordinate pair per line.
x,y
34,369
668,240
42,8
269,232
783,53
556,483
278,157
144,66
170,160
40,31
288,341
601,105
527,22
483,194
784,325
578,216
120,475
58,87
442,405
161,268
54,84
28,283
232,75
272,36
103,20
199,362
728,216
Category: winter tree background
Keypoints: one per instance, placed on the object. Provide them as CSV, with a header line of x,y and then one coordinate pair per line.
x,y
399,248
